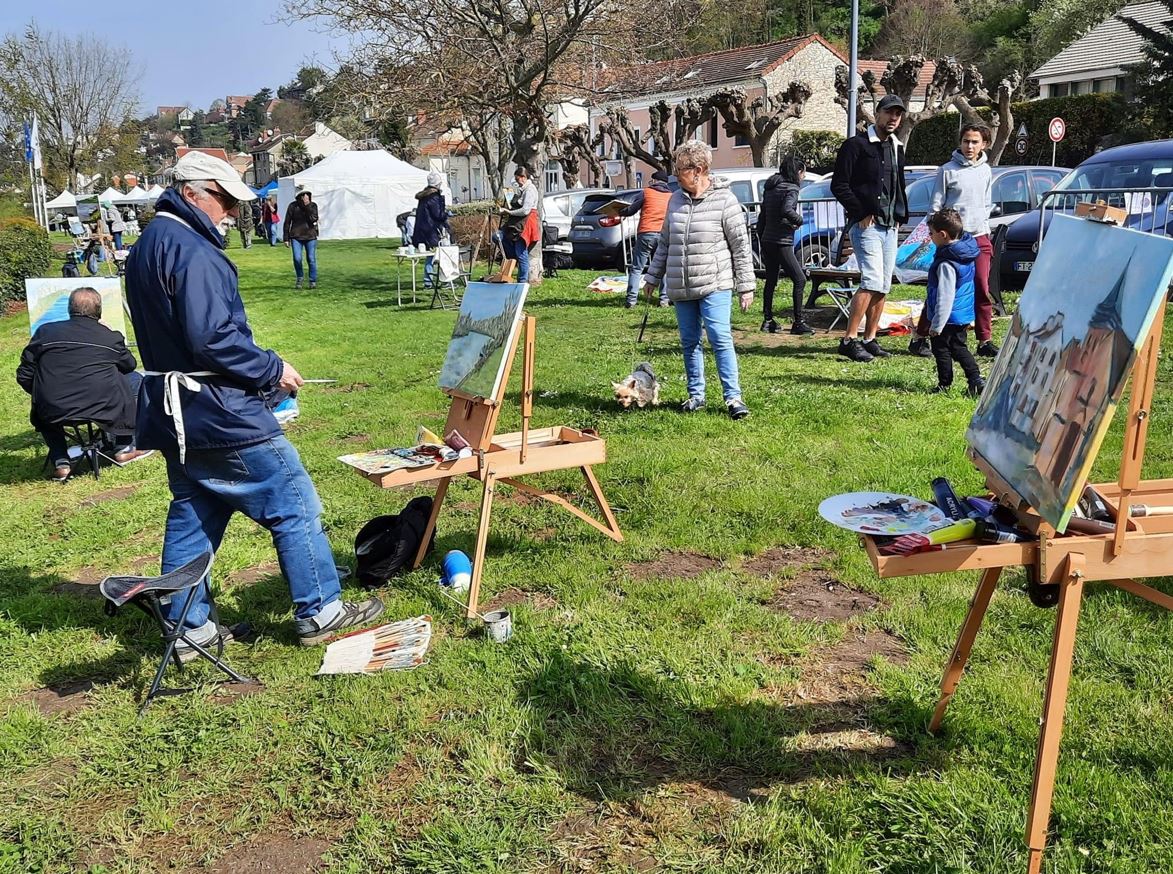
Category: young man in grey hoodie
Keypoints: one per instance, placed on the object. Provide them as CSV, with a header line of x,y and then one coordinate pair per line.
x,y
965,184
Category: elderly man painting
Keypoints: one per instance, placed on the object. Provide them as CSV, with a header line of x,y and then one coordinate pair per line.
x,y
80,371
225,452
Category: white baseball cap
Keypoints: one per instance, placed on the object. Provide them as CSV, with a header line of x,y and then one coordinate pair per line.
x,y
202,167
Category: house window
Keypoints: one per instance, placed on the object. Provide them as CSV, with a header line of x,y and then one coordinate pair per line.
x,y
713,133
1103,86
636,141
1060,89
639,179
553,176
740,141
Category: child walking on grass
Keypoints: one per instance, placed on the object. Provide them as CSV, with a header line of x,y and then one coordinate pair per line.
x,y
949,304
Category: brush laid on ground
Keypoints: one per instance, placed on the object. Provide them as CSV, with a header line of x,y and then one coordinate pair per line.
x,y
395,646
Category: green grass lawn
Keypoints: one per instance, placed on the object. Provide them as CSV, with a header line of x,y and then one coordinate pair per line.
x,y
660,706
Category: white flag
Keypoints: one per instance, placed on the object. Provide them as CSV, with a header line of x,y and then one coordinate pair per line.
x,y
35,142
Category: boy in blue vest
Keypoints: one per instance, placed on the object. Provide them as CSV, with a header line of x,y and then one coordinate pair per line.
x,y
949,304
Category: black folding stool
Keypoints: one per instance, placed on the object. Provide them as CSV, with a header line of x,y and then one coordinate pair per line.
x,y
151,595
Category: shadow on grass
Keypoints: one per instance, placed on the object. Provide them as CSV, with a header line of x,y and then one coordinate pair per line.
x,y
24,440
615,732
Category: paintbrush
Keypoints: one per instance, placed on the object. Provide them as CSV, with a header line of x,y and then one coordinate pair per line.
x,y
909,544
1139,510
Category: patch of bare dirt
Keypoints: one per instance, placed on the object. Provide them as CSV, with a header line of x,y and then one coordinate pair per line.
x,y
512,597
781,560
849,740
117,494
346,387
357,438
840,673
61,698
277,853
254,574
78,589
226,693
673,565
13,307
816,596
89,576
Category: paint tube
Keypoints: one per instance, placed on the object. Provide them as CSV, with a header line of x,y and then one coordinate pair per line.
x,y
1096,507
979,508
1079,525
991,531
945,498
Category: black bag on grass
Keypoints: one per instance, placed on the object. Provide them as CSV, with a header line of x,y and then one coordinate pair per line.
x,y
387,545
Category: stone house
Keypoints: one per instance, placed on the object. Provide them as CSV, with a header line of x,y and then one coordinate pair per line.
x,y
762,71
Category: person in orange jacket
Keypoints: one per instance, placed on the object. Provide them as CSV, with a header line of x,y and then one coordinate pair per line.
x,y
651,204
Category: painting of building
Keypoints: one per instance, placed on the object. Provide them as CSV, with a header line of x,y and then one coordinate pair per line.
x,y
1056,384
490,314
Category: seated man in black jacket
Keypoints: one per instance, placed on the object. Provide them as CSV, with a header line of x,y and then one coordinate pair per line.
x,y
80,370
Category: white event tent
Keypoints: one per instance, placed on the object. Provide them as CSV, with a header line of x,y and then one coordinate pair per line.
x,y
137,196
113,195
358,193
154,191
63,201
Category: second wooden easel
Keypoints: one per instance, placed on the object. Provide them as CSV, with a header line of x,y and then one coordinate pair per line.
x,y
1065,562
500,458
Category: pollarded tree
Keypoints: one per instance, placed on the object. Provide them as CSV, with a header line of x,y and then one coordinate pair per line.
x,y
1000,102
572,145
759,119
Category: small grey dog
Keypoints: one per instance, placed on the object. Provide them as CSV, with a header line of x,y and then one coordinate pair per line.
x,y
640,388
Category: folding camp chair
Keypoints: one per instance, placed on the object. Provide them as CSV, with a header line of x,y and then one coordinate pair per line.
x,y
841,297
448,273
152,595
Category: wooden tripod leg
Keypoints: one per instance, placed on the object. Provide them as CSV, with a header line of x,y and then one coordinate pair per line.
x,y
1062,651
478,559
612,529
969,629
437,502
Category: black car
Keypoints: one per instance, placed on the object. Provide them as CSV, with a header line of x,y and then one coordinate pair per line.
x,y
1118,176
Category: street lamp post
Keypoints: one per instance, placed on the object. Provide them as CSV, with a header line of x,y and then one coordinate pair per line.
x,y
853,70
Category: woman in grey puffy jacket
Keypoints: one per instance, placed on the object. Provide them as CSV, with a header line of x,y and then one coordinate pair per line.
x,y
704,256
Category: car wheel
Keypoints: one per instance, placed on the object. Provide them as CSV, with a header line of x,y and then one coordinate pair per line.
x,y
814,255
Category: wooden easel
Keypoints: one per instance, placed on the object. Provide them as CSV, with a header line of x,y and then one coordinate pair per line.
x,y
499,458
1066,561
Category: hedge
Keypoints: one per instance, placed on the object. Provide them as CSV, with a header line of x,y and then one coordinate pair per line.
x,y
25,251
1094,122
816,148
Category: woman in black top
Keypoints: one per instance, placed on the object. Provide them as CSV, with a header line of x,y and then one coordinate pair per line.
x,y
301,234
777,222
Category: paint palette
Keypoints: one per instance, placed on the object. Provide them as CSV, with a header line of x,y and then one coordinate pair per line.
x,y
882,513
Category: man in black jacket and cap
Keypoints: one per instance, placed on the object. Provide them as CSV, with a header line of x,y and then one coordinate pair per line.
x,y
80,370
869,182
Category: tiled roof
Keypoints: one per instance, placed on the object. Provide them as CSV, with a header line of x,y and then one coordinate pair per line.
x,y
879,66
237,100
715,68
215,153
1109,44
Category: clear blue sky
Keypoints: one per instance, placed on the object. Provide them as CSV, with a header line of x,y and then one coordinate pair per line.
x,y
230,46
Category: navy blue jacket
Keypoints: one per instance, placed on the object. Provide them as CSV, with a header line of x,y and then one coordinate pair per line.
x,y
950,296
431,217
188,316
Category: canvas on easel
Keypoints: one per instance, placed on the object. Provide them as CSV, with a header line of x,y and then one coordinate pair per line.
x,y
48,300
475,376
1082,332
1054,388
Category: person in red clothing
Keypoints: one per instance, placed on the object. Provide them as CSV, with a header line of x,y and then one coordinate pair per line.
x,y
651,204
519,222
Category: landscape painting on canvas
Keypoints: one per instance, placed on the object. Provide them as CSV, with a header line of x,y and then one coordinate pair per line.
x,y
48,300
1083,316
486,327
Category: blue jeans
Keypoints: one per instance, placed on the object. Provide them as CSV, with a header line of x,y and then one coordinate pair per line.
x,y
266,482
310,247
715,310
519,251
116,237
274,233
875,252
645,246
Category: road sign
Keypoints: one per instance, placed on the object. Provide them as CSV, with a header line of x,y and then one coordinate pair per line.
x,y
1020,146
1022,131
1057,129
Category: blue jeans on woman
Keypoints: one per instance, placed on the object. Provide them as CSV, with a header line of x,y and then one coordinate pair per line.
x,y
519,251
266,482
116,237
642,251
310,247
715,311
274,232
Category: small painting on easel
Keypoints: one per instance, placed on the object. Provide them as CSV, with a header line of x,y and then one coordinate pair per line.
x,y
1086,310
490,315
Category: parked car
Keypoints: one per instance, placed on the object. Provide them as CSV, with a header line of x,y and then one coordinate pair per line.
x,y
560,207
597,240
1015,190
1117,174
